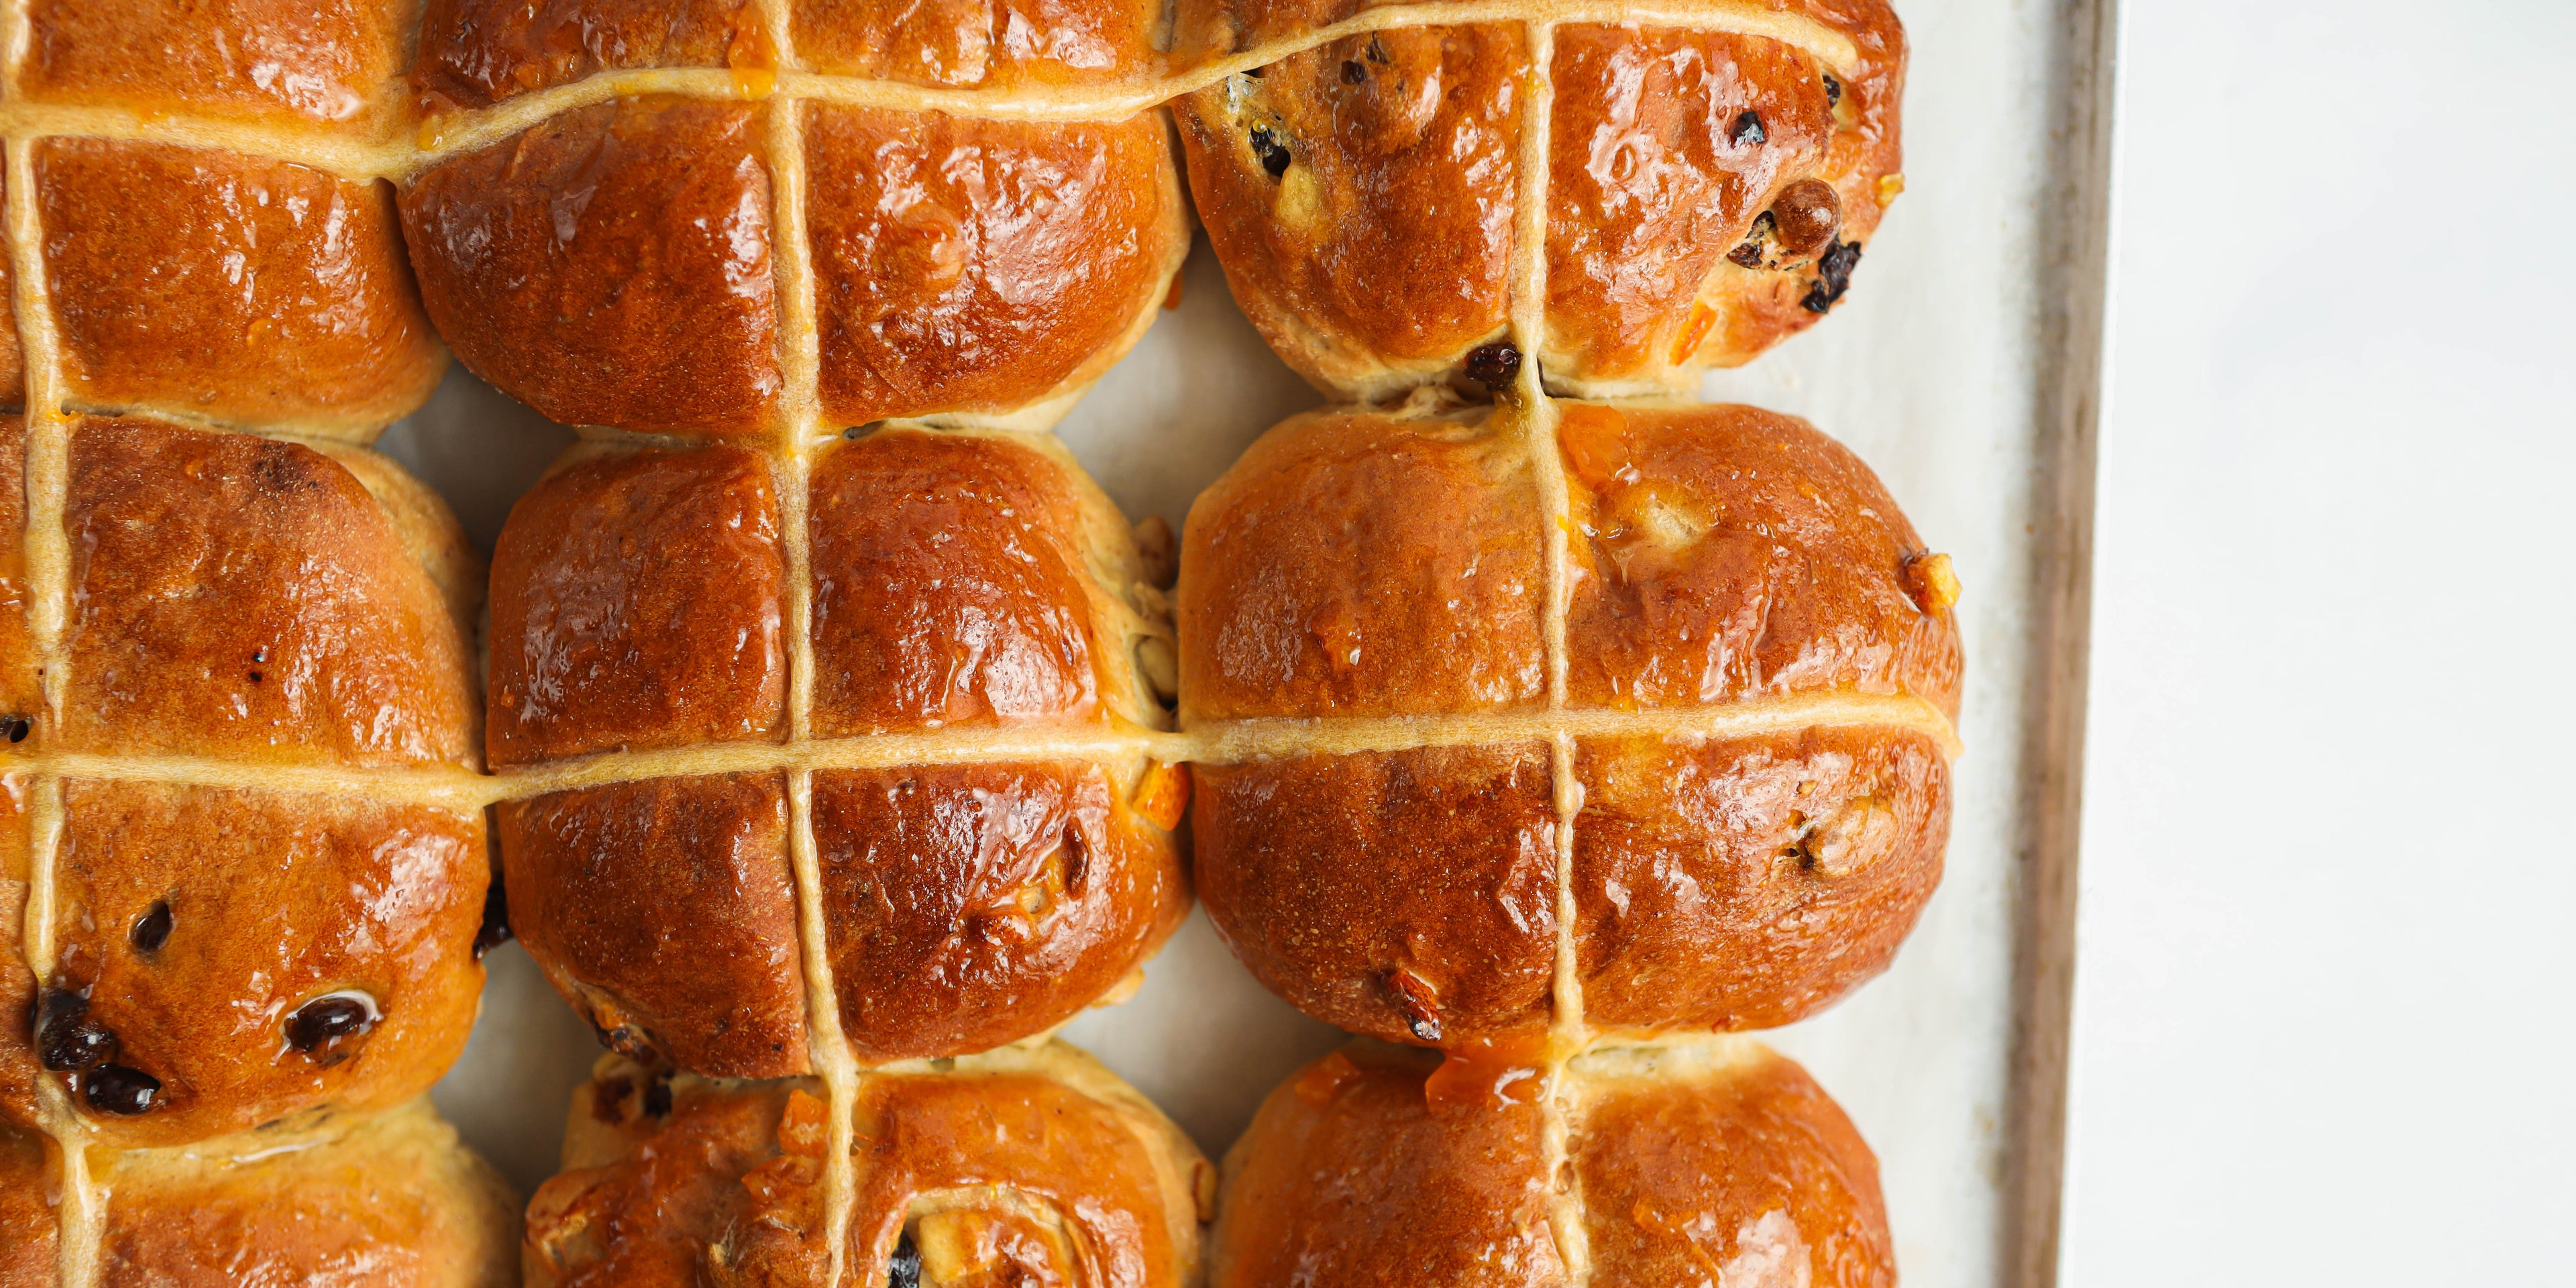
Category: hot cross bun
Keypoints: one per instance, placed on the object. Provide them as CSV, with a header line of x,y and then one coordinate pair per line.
x,y
1710,1162
242,797
1629,200
242,872
864,741
387,1200
712,218
1029,1165
1554,715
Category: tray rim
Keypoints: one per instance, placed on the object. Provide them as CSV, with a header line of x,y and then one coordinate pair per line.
x,y
2072,312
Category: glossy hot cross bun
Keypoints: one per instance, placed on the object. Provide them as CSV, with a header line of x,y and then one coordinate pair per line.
x,y
197,200
1706,1162
720,217
386,1200
1562,716
1030,1165
1399,202
244,837
849,754
242,865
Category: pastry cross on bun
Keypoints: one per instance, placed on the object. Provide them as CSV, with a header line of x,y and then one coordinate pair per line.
x,y
1562,717
850,753
710,218
1029,1165
1633,200
1706,1162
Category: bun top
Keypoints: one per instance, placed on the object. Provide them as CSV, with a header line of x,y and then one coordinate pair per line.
x,y
478,52
934,656
255,727
1387,203
1679,1162
727,220
1393,563
1025,1164
278,63
1563,716
959,581
388,1200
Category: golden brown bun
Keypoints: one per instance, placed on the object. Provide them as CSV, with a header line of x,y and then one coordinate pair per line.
x,y
478,52
231,289
29,1232
259,764
474,53
276,62
1367,194
205,210
992,848
979,268
1760,671
618,261
648,304
387,1200
1031,1160
1715,1161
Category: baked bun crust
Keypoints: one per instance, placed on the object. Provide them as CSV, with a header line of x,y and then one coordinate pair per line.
x,y
966,751
1025,1165
289,66
1708,1161
246,757
237,290
204,209
1385,202
386,1200
923,212
1727,666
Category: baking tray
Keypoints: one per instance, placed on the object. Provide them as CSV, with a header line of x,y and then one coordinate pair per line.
x,y
1963,367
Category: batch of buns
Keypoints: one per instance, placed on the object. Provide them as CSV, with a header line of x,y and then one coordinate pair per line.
x,y
834,739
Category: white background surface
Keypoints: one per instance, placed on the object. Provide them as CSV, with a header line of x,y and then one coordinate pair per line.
x,y
2328,932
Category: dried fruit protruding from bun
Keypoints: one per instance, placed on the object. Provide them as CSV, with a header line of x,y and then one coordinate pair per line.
x,y
1704,190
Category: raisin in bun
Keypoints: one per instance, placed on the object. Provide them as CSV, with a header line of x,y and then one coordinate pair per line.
x,y
664,215
1562,714
1025,1165
918,666
1389,202
387,1200
210,238
242,872
1714,1161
